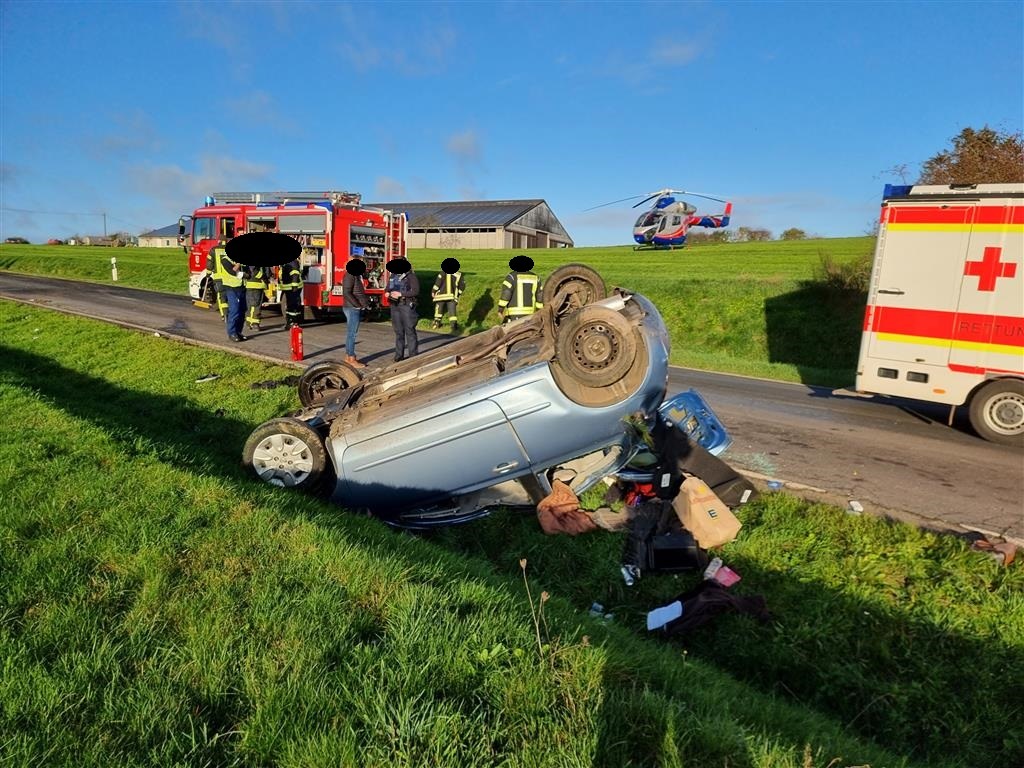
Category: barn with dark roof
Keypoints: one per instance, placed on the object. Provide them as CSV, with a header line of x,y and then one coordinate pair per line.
x,y
515,224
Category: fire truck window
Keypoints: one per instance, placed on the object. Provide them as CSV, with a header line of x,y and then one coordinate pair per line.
x,y
227,227
203,229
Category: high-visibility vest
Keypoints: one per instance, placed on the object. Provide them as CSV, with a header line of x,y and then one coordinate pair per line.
x,y
230,278
520,294
448,287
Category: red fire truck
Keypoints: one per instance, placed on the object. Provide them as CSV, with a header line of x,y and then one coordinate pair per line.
x,y
945,311
331,227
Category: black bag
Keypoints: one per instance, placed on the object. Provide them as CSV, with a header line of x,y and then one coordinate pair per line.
x,y
678,454
658,543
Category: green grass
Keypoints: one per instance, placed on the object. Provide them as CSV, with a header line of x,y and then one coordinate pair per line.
x,y
157,607
751,308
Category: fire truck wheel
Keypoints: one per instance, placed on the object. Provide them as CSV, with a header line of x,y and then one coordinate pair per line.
x,y
578,285
287,453
997,411
596,346
325,379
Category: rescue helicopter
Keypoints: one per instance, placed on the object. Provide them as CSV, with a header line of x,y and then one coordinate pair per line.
x,y
665,223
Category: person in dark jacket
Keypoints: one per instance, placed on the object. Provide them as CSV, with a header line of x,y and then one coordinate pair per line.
x,y
354,295
290,283
402,291
520,292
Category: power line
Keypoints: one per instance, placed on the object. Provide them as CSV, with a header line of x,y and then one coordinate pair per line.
x,y
73,213
54,213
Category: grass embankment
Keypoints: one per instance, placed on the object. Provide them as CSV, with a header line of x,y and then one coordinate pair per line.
x,y
748,308
159,608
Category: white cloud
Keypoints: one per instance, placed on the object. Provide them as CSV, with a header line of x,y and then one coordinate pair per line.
x,y
673,52
389,189
179,189
258,108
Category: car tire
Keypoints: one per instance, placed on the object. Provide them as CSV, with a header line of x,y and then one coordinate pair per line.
x,y
325,379
580,285
596,346
997,411
287,453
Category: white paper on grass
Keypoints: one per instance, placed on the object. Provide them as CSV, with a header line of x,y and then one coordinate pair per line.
x,y
659,617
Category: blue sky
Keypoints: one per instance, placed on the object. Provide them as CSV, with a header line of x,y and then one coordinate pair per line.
x,y
792,110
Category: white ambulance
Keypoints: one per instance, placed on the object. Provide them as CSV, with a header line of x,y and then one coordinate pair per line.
x,y
945,312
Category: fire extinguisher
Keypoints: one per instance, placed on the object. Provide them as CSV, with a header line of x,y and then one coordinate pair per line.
x,y
296,339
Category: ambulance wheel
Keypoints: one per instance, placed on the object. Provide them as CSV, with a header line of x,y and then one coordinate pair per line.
x,y
997,411
579,285
596,346
287,453
326,379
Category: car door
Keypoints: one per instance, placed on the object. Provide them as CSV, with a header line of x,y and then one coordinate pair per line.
x,y
434,454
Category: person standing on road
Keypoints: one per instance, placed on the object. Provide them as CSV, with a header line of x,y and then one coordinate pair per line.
x,y
520,292
448,287
355,301
234,290
256,284
402,291
290,284
215,276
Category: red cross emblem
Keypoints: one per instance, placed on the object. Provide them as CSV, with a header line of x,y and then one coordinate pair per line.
x,y
989,268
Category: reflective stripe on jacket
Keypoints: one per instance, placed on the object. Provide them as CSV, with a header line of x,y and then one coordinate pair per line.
x,y
448,287
520,294
255,277
291,277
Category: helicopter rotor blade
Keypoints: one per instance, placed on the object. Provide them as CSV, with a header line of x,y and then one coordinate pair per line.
x,y
613,202
707,197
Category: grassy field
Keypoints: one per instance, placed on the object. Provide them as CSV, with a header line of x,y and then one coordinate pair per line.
x,y
157,607
748,308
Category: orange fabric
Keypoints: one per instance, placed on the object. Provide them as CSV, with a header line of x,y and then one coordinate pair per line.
x,y
559,512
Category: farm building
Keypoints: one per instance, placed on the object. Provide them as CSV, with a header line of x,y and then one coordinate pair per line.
x,y
165,237
517,224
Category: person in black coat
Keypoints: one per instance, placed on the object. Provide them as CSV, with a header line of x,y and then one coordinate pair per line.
x,y
403,291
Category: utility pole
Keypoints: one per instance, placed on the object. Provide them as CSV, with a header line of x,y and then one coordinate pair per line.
x,y
104,223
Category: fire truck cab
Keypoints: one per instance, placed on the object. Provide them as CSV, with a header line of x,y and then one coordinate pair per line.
x,y
331,227
945,312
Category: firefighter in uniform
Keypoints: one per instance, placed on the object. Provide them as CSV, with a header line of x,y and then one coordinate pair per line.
x,y
521,291
448,287
256,284
290,284
233,280
214,277
402,291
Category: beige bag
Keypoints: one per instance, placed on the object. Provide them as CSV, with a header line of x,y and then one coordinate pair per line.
x,y
704,515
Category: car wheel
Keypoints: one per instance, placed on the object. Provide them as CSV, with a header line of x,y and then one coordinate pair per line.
x,y
596,346
997,411
287,453
579,285
325,379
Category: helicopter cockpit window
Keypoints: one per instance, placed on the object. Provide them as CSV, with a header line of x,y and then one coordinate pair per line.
x,y
677,220
648,219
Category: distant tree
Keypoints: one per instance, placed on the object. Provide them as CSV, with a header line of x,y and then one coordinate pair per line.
x,y
977,157
793,234
749,234
701,238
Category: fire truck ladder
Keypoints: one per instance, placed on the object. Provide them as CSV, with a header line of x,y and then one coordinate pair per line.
x,y
396,236
336,197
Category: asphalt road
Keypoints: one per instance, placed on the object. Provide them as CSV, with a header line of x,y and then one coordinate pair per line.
x,y
897,458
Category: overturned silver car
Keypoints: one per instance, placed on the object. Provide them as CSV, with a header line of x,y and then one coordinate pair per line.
x,y
490,419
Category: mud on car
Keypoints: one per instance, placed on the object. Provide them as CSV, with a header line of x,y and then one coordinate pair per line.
x,y
490,419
